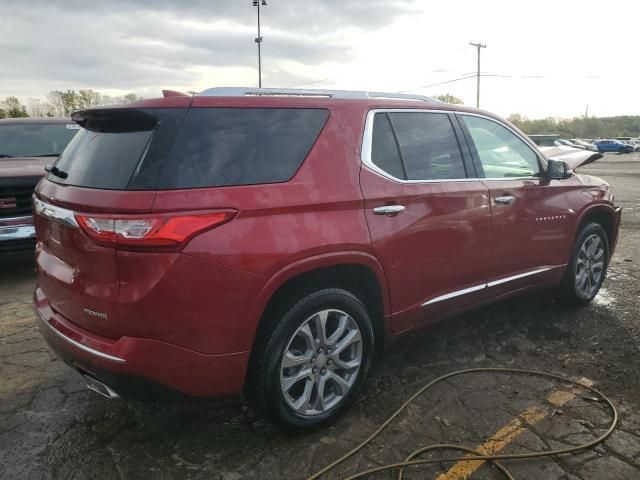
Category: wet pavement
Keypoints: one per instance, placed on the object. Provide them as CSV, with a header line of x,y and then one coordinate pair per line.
x,y
51,427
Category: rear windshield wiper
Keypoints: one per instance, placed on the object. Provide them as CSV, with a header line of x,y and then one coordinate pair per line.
x,y
47,155
56,171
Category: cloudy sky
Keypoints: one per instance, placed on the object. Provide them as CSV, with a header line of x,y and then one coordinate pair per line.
x,y
543,58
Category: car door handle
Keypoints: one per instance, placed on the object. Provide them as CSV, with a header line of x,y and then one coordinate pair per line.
x,y
505,199
388,210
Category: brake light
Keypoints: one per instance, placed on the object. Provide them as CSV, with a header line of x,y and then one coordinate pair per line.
x,y
149,230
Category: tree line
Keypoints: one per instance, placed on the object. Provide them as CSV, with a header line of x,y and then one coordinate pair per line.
x,y
60,103
580,127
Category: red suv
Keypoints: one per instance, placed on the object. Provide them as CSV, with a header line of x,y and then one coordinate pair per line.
x,y
269,242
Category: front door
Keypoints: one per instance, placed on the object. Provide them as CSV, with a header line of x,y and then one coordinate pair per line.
x,y
531,215
429,218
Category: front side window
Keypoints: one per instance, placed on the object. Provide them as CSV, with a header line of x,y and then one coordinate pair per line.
x,y
502,153
416,146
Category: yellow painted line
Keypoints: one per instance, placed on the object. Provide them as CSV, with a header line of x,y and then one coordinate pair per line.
x,y
532,415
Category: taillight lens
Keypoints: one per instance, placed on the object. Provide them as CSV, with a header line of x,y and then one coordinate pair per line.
x,y
149,230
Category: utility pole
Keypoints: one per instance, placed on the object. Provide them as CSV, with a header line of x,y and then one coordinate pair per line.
x,y
586,112
478,47
258,40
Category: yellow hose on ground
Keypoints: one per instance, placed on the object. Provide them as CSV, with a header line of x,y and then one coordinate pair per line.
x,y
411,459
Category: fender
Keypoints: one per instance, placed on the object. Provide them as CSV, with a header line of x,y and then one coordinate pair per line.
x,y
602,206
320,261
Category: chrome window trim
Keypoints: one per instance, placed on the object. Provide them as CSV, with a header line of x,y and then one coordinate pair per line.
x,y
526,141
367,141
476,288
79,345
57,214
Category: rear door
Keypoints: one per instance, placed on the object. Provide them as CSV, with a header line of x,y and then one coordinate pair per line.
x,y
429,218
531,216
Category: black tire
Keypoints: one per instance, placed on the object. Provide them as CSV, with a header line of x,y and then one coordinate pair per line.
x,y
265,392
571,292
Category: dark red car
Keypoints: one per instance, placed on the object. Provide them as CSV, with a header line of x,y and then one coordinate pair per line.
x,y
269,242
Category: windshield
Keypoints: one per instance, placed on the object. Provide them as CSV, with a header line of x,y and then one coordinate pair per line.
x,y
35,139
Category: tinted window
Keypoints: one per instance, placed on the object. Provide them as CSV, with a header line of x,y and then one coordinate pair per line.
x,y
35,139
428,145
102,160
241,146
108,150
501,152
384,149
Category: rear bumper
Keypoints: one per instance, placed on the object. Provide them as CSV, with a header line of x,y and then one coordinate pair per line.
x,y
139,367
17,235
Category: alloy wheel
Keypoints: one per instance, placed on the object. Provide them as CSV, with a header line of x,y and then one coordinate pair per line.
x,y
589,266
321,362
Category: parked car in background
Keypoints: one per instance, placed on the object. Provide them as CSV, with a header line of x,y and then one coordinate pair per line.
x,y
26,146
613,146
567,143
587,145
271,241
546,140
635,143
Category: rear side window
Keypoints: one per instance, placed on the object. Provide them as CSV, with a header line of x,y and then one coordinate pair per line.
x,y
241,146
428,146
416,146
384,149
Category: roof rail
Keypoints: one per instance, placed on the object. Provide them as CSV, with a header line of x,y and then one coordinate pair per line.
x,y
302,92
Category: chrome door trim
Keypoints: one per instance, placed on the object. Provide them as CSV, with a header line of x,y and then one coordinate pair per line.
x,y
517,277
455,293
476,288
79,345
57,214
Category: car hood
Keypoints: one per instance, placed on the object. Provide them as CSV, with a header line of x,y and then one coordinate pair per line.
x,y
24,166
573,157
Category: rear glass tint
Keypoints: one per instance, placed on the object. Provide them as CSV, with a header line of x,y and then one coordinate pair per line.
x,y
35,139
107,152
241,146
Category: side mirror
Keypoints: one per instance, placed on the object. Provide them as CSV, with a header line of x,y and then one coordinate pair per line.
x,y
557,170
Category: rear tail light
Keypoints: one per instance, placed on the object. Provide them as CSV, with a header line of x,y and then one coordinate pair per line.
x,y
150,230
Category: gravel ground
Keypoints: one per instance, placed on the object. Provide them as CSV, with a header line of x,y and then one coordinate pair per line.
x,y
51,427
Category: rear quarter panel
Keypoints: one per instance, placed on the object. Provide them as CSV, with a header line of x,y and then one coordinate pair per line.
x,y
316,219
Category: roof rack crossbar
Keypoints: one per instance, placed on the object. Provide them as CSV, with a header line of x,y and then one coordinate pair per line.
x,y
302,92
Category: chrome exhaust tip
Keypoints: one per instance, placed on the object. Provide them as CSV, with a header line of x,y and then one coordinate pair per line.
x,y
100,388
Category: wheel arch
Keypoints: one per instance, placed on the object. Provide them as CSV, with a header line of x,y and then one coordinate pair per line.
x,y
357,272
602,214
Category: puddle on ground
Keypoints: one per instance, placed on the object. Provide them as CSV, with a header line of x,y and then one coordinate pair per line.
x,y
604,298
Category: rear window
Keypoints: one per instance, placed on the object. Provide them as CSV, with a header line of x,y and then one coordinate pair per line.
x,y
178,148
35,139
241,146
109,149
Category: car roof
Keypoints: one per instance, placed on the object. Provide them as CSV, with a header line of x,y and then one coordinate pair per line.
x,y
239,97
34,120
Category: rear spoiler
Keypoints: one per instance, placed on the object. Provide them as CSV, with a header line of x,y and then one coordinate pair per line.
x,y
174,93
